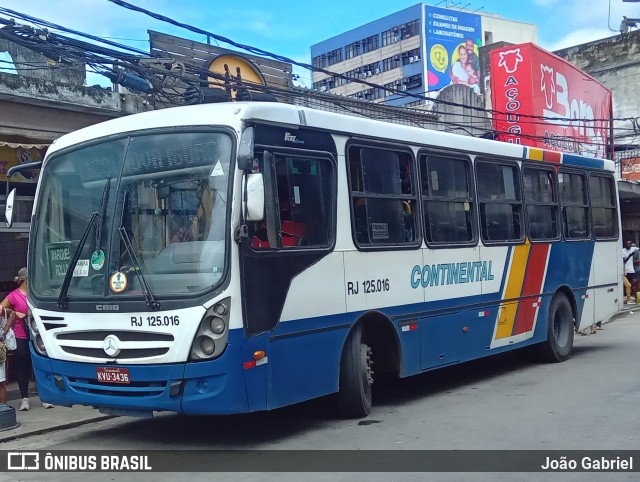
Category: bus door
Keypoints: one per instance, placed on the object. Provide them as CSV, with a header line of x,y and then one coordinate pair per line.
x,y
297,231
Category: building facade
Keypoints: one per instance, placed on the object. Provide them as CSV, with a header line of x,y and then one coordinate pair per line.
x,y
413,51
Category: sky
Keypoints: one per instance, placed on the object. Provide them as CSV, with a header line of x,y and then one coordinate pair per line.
x,y
290,28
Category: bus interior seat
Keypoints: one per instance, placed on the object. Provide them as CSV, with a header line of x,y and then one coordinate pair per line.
x,y
293,233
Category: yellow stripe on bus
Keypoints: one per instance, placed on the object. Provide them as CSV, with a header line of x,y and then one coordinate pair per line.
x,y
535,154
507,313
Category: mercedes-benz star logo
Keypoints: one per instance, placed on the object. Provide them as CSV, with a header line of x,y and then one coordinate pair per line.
x,y
111,345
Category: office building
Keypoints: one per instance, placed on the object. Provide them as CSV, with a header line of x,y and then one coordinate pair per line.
x,y
413,51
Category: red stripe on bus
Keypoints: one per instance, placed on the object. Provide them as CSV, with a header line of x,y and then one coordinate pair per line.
x,y
553,156
531,286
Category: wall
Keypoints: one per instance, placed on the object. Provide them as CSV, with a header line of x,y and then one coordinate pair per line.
x,y
31,64
615,62
509,30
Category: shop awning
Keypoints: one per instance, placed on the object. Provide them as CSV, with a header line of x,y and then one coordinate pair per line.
x,y
15,145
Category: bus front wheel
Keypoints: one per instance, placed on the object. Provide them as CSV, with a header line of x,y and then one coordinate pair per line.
x,y
356,377
560,330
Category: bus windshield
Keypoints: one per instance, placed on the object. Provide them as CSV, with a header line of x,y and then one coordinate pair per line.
x,y
159,209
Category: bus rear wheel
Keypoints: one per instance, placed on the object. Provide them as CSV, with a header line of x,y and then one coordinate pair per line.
x,y
560,330
356,377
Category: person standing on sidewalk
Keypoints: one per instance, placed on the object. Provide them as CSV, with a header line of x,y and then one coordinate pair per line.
x,y
16,305
630,272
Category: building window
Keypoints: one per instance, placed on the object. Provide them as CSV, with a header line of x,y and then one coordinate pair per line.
x,y
411,29
370,44
334,57
391,63
383,197
325,60
390,36
352,50
400,32
320,61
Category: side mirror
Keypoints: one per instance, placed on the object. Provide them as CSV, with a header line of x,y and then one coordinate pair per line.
x,y
245,150
254,197
8,210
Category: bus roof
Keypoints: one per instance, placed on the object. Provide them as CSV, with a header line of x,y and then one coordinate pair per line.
x,y
233,114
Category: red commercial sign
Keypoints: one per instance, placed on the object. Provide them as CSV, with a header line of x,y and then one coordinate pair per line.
x,y
631,169
541,100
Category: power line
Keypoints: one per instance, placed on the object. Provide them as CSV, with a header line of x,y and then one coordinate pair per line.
x,y
67,50
266,53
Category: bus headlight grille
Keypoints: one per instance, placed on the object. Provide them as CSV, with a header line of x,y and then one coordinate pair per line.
x,y
213,331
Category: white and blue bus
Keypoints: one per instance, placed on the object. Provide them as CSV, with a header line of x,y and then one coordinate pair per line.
x,y
236,257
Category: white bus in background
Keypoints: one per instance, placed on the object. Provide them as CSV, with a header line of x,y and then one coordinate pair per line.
x,y
236,257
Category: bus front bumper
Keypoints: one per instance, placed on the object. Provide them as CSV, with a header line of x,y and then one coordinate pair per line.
x,y
211,387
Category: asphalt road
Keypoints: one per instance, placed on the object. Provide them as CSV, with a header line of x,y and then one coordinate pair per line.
x,y
590,402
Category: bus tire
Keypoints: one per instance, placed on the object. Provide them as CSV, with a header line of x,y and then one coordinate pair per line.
x,y
560,330
356,377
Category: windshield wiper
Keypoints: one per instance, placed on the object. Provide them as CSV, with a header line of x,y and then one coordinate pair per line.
x,y
103,203
63,299
148,296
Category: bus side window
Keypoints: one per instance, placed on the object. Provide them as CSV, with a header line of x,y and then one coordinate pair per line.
x,y
603,206
447,199
303,186
542,203
575,204
500,201
383,198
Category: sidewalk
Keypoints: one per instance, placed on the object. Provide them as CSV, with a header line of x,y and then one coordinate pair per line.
x,y
39,420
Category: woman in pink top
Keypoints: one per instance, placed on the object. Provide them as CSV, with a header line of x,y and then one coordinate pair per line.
x,y
15,307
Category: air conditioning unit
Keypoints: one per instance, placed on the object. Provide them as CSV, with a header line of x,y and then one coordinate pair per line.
x,y
416,58
369,74
411,60
377,71
404,87
323,88
394,38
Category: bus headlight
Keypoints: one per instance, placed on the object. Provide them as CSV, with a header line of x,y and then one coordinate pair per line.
x,y
38,343
217,326
32,324
211,337
207,345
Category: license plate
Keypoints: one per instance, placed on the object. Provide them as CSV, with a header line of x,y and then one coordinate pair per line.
x,y
112,375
